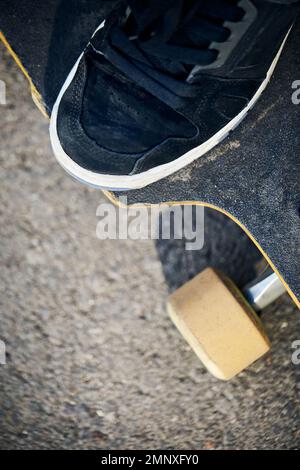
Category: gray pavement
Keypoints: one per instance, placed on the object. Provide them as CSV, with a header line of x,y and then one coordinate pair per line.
x,y
92,358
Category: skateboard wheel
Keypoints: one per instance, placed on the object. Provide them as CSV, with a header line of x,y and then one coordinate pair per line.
x,y
218,323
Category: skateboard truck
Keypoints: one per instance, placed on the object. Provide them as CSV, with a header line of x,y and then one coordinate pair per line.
x,y
220,322
264,290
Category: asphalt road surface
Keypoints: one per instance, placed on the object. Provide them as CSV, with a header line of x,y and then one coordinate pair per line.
x,y
93,360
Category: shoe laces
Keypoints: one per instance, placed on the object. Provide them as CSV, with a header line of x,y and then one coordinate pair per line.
x,y
160,43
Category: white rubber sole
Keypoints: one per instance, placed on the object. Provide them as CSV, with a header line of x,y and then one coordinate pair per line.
x,y
126,182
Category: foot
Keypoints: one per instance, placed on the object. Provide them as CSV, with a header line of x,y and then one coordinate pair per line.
x,y
161,82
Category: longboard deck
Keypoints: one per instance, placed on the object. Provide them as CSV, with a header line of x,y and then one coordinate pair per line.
x,y
253,176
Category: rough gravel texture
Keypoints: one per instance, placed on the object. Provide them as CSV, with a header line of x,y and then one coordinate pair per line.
x,y
92,358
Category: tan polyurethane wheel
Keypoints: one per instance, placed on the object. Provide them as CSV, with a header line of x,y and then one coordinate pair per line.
x,y
218,323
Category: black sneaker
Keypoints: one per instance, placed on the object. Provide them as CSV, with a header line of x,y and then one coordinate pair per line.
x,y
161,82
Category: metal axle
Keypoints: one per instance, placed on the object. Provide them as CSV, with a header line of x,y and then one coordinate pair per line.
x,y
264,290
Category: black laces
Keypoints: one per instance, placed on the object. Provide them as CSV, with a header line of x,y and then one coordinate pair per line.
x,y
158,43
